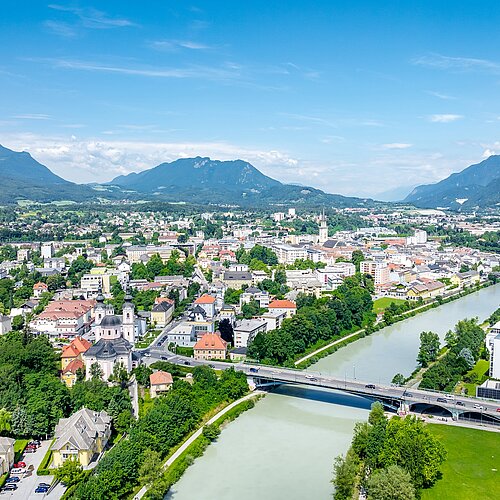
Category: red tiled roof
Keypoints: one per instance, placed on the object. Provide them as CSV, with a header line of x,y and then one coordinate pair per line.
x,y
77,346
76,364
160,377
211,341
282,304
205,299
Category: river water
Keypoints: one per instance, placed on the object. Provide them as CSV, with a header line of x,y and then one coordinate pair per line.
x,y
283,449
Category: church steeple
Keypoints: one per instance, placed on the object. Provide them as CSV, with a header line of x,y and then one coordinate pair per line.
x,y
323,228
128,321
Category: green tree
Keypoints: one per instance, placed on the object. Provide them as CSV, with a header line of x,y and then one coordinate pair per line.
x,y
18,323
5,420
211,431
69,473
429,348
345,471
96,371
398,379
393,483
151,467
356,258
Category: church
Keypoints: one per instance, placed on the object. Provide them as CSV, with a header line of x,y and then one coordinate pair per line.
x,y
114,337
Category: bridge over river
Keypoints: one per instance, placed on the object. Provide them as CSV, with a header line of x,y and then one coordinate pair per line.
x,y
393,397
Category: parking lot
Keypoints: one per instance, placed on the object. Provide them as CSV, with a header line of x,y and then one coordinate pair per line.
x,y
28,483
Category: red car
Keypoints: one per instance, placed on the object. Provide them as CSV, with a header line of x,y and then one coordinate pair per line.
x,y
19,465
498,409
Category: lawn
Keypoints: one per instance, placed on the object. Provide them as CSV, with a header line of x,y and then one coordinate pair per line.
x,y
481,370
147,339
380,305
472,467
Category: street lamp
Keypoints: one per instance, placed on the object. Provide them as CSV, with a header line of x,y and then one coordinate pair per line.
x,y
354,370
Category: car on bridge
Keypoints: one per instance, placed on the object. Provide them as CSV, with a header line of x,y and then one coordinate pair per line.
x,y
442,400
460,403
254,370
479,407
370,386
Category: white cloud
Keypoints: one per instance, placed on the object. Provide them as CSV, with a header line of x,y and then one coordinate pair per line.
x,y
457,63
488,152
33,116
397,145
444,118
93,18
440,95
170,45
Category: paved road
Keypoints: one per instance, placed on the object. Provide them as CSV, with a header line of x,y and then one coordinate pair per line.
x,y
197,434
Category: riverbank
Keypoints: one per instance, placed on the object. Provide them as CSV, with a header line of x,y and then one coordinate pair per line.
x,y
193,447
333,346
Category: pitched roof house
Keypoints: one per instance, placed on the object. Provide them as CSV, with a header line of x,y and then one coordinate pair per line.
x,y
160,382
80,437
210,346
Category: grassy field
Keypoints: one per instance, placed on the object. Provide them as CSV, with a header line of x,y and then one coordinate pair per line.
x,y
481,369
381,304
472,467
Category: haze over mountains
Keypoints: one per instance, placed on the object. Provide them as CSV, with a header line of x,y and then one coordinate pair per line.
x,y
476,186
204,181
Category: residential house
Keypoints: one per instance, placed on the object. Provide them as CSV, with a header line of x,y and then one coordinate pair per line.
x,y
237,279
80,437
207,303
39,289
160,382
6,454
210,346
161,313
283,306
253,293
469,278
182,334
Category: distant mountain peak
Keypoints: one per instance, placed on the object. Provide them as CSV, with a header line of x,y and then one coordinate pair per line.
x,y
476,186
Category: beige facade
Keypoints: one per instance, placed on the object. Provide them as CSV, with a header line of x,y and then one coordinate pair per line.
x,y
6,454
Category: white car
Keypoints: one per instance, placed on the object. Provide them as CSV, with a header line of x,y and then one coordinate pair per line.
x,y
478,407
18,470
308,375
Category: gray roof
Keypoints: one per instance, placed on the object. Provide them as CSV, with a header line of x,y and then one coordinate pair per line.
x,y
5,444
105,349
237,275
162,306
81,429
111,321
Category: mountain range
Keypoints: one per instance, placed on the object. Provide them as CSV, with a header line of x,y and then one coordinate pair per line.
x,y
476,186
204,181
23,177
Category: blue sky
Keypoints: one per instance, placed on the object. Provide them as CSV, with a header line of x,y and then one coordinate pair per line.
x,y
355,97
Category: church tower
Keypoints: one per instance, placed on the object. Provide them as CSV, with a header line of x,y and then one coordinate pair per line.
x,y
128,321
323,228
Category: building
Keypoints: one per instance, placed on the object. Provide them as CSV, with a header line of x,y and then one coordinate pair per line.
x,y
80,437
253,293
236,279
39,289
494,348
210,346
160,382
72,360
490,389
425,289
182,334
64,318
288,254
287,307
379,271
47,251
273,318
6,454
207,303
469,278
138,253
114,336
161,313
323,229
246,330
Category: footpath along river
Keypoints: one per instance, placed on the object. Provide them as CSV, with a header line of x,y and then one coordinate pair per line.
x,y
283,449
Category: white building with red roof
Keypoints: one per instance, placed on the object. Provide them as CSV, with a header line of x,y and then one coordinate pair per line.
x,y
64,318
210,346
283,306
207,303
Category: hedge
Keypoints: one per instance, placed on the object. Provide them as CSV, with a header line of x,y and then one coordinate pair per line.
x,y
43,468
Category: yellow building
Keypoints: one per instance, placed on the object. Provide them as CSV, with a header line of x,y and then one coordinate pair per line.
x,y
80,437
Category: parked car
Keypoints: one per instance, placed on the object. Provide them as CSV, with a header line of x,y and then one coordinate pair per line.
x,y
12,479
41,489
18,470
43,485
19,465
9,487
